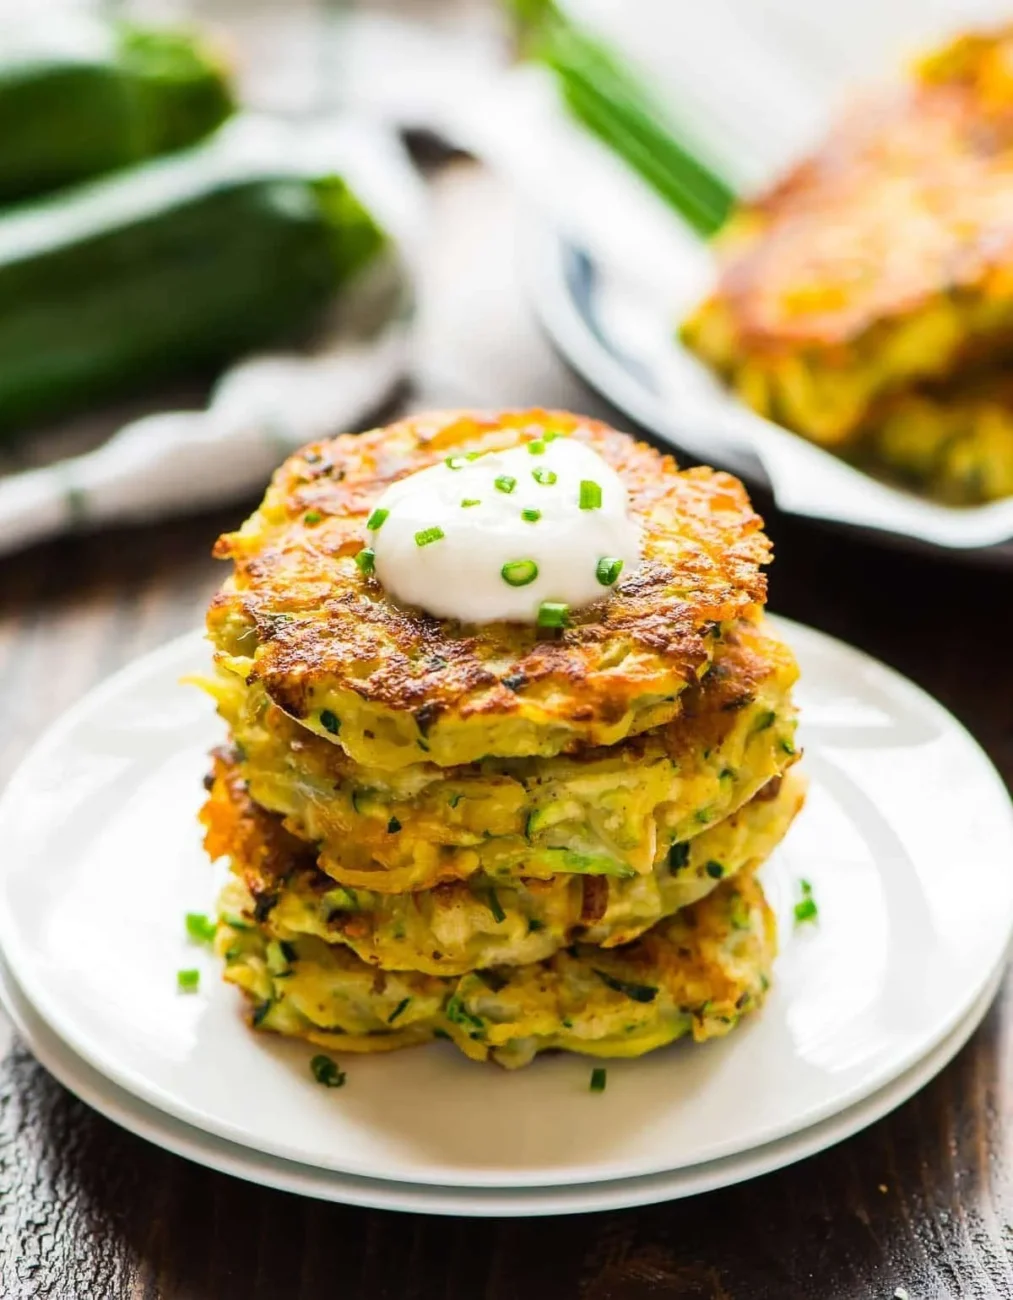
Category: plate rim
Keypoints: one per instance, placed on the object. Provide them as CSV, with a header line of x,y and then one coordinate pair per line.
x,y
554,305
19,956
252,1165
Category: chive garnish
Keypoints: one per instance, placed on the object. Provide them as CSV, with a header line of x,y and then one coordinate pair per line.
x,y
199,927
590,494
550,435
325,1071
518,573
714,869
544,476
470,501
553,613
188,981
496,908
806,909
330,721
598,1077
376,519
427,535
473,455
787,746
312,517
393,826
506,483
638,992
678,855
456,462
397,1010
531,516
608,570
537,447
366,561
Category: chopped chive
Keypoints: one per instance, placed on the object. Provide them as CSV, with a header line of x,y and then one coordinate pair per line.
x,y
590,494
260,1012
496,908
427,535
397,1010
188,981
806,909
550,435
544,476
537,447
366,561
312,517
765,720
787,746
714,869
393,826
553,613
455,799
473,455
377,519
506,483
470,501
678,855
534,925
330,721
638,992
199,927
518,573
531,516
325,1071
598,1078
608,570
456,462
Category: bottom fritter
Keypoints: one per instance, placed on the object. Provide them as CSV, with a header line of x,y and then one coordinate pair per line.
x,y
695,973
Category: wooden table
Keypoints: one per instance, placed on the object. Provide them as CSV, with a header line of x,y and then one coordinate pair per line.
x,y
923,1200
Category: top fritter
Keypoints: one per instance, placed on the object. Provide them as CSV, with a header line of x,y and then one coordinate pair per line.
x,y
395,685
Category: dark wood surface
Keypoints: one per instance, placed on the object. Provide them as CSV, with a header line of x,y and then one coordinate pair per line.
x,y
923,1200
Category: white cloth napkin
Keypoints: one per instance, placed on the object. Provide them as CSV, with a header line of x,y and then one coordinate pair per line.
x,y
265,407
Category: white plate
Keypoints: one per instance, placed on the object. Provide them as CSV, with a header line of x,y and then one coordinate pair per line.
x,y
908,828
227,1157
621,342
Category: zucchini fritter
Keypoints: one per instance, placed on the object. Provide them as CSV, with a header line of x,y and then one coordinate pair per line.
x,y
694,974
955,442
883,261
471,925
392,685
614,811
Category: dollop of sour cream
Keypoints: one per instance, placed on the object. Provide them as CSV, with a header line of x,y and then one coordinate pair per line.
x,y
523,535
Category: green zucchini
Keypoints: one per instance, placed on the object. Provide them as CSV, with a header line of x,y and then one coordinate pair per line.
x,y
80,96
174,266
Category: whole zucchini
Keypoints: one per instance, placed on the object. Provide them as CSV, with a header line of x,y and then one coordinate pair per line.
x,y
174,266
80,96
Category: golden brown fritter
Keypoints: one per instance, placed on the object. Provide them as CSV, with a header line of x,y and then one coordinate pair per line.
x,y
694,974
613,811
393,685
883,260
454,928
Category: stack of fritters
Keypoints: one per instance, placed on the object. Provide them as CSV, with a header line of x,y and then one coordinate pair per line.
x,y
866,301
513,840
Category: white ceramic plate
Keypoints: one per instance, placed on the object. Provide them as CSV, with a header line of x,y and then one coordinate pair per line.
x,y
242,1162
908,829
621,342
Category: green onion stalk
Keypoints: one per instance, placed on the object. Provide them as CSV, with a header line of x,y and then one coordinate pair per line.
x,y
609,99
